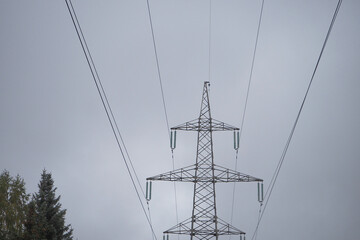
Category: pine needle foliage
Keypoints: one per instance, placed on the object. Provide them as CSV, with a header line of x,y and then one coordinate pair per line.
x,y
45,219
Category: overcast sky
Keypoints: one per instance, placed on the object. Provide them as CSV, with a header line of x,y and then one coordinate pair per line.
x,y
51,115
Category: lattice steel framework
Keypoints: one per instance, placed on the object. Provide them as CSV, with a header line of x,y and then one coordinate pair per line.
x,y
204,223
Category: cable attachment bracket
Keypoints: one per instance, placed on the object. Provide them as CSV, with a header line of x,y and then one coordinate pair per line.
x,y
166,237
242,236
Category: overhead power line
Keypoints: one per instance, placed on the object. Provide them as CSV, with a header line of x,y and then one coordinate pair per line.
x,y
246,102
163,99
210,11
158,66
108,110
281,161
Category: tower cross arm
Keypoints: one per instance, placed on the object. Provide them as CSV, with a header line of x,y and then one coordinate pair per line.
x,y
184,228
187,174
222,174
205,124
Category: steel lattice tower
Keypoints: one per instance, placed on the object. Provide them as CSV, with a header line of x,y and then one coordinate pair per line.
x,y
204,223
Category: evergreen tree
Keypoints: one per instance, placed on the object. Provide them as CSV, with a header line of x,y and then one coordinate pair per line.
x,y
45,218
32,229
13,205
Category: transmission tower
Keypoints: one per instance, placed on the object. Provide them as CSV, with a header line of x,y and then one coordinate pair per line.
x,y
204,222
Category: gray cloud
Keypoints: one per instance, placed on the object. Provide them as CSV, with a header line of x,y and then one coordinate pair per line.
x,y
51,115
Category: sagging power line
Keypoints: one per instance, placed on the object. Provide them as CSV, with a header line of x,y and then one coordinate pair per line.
x,y
287,144
109,112
194,231
245,105
163,101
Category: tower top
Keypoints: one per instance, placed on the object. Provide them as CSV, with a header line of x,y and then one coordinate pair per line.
x,y
205,122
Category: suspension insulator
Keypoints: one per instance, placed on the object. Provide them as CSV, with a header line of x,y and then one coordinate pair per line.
x,y
260,192
163,237
148,190
167,237
236,140
173,140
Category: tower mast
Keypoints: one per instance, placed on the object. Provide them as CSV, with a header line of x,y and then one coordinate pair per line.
x,y
204,224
